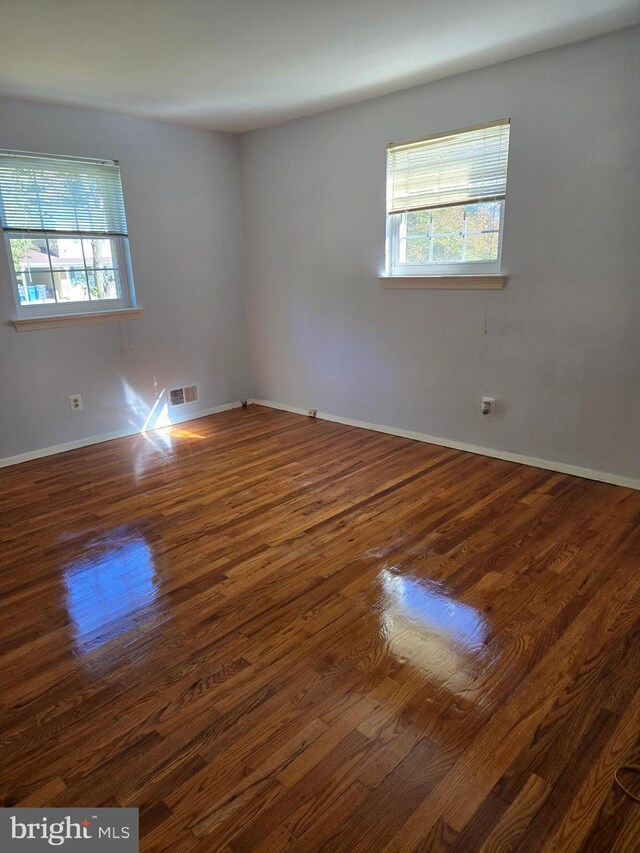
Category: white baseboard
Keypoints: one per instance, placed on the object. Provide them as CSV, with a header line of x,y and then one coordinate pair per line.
x,y
98,439
547,464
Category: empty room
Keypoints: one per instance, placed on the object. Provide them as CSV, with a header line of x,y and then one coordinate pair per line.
x,y
320,426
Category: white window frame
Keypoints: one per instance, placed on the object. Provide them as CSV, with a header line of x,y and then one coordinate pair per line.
x,y
452,169
26,216
30,310
396,224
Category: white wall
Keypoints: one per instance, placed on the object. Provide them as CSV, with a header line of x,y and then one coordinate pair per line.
x,y
181,190
559,347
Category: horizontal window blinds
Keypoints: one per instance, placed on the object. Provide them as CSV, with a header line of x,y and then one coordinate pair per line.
x,y
60,194
451,169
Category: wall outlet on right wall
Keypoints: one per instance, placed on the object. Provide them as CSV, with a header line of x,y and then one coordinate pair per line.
x,y
488,405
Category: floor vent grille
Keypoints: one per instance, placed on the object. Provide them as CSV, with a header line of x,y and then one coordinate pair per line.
x,y
183,396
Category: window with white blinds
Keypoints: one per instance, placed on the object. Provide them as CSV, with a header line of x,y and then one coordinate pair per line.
x,y
39,193
445,201
66,234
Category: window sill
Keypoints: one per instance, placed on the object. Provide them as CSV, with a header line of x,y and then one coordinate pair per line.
x,y
443,282
52,321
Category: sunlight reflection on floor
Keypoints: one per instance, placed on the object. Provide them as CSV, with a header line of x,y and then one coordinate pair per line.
x,y
111,587
428,628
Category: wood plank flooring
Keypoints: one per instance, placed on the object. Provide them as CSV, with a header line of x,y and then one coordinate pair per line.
x,y
271,633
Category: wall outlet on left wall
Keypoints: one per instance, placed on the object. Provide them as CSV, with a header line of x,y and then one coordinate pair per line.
x,y
488,406
75,401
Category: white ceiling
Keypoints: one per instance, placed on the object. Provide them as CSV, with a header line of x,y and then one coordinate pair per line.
x,y
240,64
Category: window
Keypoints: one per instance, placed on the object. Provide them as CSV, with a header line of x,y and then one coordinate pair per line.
x,y
445,202
66,234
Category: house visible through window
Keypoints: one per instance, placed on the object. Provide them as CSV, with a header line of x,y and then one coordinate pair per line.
x,y
445,202
66,234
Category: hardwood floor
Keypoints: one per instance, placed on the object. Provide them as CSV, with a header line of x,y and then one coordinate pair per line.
x,y
272,633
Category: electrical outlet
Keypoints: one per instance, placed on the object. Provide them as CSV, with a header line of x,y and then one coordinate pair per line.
x,y
75,401
488,405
